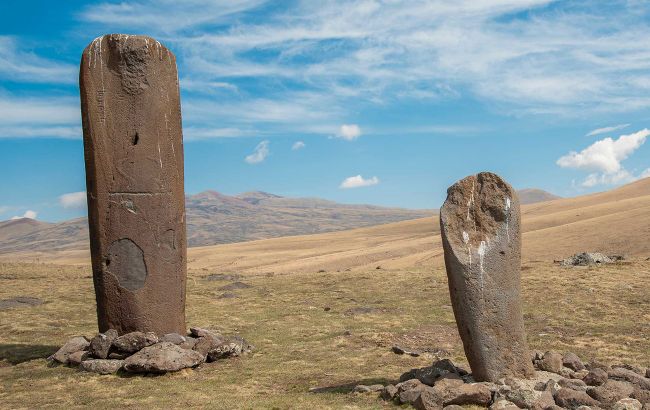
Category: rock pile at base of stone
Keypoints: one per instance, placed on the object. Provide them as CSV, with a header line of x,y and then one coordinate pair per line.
x,y
590,258
562,381
139,352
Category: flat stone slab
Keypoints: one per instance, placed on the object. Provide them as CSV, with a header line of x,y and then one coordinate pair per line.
x,y
161,358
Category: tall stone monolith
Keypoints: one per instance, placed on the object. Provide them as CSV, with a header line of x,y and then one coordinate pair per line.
x,y
481,236
133,146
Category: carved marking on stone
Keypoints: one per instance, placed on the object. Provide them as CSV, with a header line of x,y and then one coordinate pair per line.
x,y
125,261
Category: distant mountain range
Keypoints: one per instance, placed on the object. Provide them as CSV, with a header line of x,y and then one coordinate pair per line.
x,y
214,218
532,195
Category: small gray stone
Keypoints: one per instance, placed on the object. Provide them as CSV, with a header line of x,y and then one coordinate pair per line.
x,y
200,332
76,358
410,390
572,399
595,377
101,366
189,342
232,347
174,338
551,362
572,361
134,341
611,392
73,345
627,404
101,344
389,392
162,357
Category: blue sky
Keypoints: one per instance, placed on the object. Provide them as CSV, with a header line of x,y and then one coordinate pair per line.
x,y
381,102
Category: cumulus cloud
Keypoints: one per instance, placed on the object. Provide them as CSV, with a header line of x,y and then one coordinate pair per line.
x,y
73,200
605,130
357,182
25,66
259,154
29,214
604,159
298,145
349,132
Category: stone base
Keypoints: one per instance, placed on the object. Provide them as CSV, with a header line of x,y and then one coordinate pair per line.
x,y
139,352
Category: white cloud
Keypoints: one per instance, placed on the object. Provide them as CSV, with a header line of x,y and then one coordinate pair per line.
x,y
18,65
349,132
259,154
298,145
605,157
645,174
357,182
54,117
28,214
73,200
606,130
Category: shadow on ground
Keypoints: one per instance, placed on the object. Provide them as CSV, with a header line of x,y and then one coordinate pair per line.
x,y
20,353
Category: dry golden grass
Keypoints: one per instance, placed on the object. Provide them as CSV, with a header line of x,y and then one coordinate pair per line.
x,y
596,312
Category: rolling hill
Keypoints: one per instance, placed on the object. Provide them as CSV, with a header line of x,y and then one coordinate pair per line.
x,y
616,221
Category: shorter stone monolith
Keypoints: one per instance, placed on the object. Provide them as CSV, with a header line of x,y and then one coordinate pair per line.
x,y
480,228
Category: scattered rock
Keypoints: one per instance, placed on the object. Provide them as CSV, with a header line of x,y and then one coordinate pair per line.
x,y
444,368
409,391
572,361
503,404
575,384
572,399
401,350
551,362
233,347
580,374
73,345
200,332
189,342
162,357
361,388
611,392
641,395
134,341
222,276
453,407
586,259
635,369
118,355
227,295
174,338
595,377
19,301
619,373
389,392
627,404
475,393
205,344
101,366
101,344
76,358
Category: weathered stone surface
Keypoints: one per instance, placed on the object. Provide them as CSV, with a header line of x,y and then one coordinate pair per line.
x,y
503,404
134,341
551,362
575,384
73,345
189,342
641,395
76,358
464,394
231,347
595,377
627,404
389,392
427,400
101,344
572,361
572,399
611,392
480,228
619,373
200,332
162,357
101,366
205,344
174,338
133,146
410,390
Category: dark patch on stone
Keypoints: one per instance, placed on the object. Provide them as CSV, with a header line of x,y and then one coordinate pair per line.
x,y
19,301
125,260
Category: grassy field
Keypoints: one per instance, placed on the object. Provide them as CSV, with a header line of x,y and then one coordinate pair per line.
x,y
597,312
